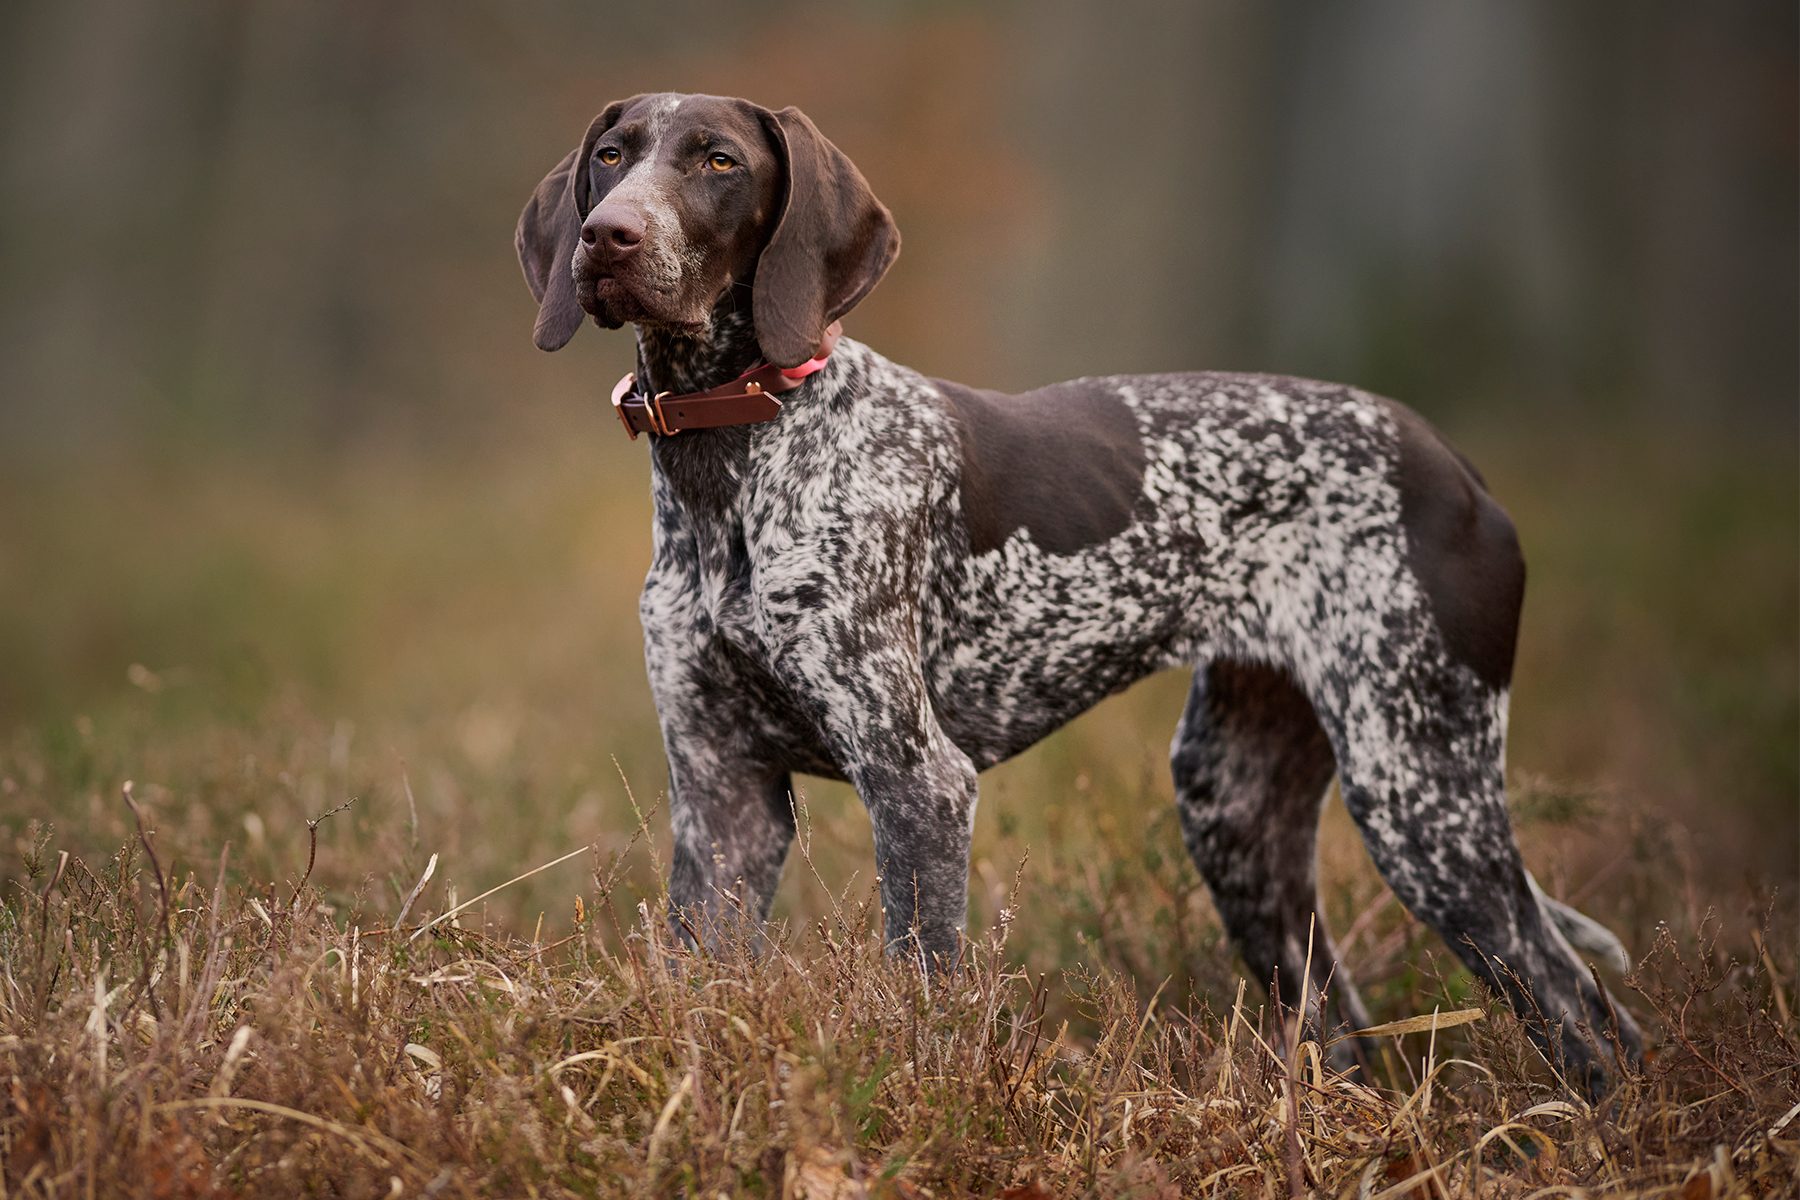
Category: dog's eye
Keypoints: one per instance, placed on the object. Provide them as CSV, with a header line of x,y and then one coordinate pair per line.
x,y
608,156
720,162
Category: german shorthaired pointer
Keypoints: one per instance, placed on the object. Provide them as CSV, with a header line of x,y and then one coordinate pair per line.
x,y
867,574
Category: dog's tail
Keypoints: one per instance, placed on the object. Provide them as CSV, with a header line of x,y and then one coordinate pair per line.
x,y
1582,931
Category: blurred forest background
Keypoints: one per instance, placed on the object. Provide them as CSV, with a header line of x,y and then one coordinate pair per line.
x,y
291,510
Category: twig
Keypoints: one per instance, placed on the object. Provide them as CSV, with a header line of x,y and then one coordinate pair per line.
x,y
412,806
406,905
1762,950
1039,998
62,863
642,820
312,849
162,889
1296,1163
1682,1033
446,915
366,1142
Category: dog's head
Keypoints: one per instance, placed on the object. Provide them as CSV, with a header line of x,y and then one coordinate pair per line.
x,y
669,201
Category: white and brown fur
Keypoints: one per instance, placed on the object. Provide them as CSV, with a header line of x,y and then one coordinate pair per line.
x,y
901,581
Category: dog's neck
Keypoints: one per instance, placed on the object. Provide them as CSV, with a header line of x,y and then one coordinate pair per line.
x,y
671,360
702,468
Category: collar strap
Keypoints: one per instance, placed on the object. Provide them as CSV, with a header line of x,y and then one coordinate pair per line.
x,y
747,400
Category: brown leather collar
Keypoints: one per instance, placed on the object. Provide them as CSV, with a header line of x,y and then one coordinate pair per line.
x,y
747,400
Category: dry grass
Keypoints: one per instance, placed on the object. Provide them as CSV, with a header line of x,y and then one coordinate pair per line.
x,y
180,1036
453,645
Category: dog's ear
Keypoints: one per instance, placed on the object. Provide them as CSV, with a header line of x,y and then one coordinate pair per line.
x,y
550,227
832,244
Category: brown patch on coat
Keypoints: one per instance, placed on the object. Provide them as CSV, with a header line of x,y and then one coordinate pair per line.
x,y
1064,463
1462,547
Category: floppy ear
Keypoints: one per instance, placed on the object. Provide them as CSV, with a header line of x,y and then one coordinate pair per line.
x,y
833,243
547,233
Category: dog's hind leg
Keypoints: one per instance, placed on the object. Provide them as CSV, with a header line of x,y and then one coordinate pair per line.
x,y
1251,766
1583,932
1422,764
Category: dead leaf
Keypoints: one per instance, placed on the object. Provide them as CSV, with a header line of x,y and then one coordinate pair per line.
x,y
1407,1168
815,1173
1700,1187
1423,1024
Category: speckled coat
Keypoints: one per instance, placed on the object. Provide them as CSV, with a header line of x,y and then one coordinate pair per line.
x,y
901,581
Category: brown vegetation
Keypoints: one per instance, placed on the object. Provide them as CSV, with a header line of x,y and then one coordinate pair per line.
x,y
256,646
184,1037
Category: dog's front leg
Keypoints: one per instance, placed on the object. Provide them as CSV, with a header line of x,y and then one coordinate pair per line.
x,y
922,810
730,802
861,678
733,821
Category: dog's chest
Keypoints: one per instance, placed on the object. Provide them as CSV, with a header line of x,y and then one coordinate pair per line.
x,y
702,578
704,649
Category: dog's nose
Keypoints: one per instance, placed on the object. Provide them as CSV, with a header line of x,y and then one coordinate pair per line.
x,y
613,230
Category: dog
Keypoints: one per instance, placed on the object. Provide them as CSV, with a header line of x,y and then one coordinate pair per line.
x,y
866,574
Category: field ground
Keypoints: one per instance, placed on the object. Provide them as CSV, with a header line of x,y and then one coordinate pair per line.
x,y
451,642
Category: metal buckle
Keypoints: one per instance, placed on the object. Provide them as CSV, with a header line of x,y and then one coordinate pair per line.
x,y
658,422
620,390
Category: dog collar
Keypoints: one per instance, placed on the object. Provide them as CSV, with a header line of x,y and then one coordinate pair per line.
x,y
747,400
